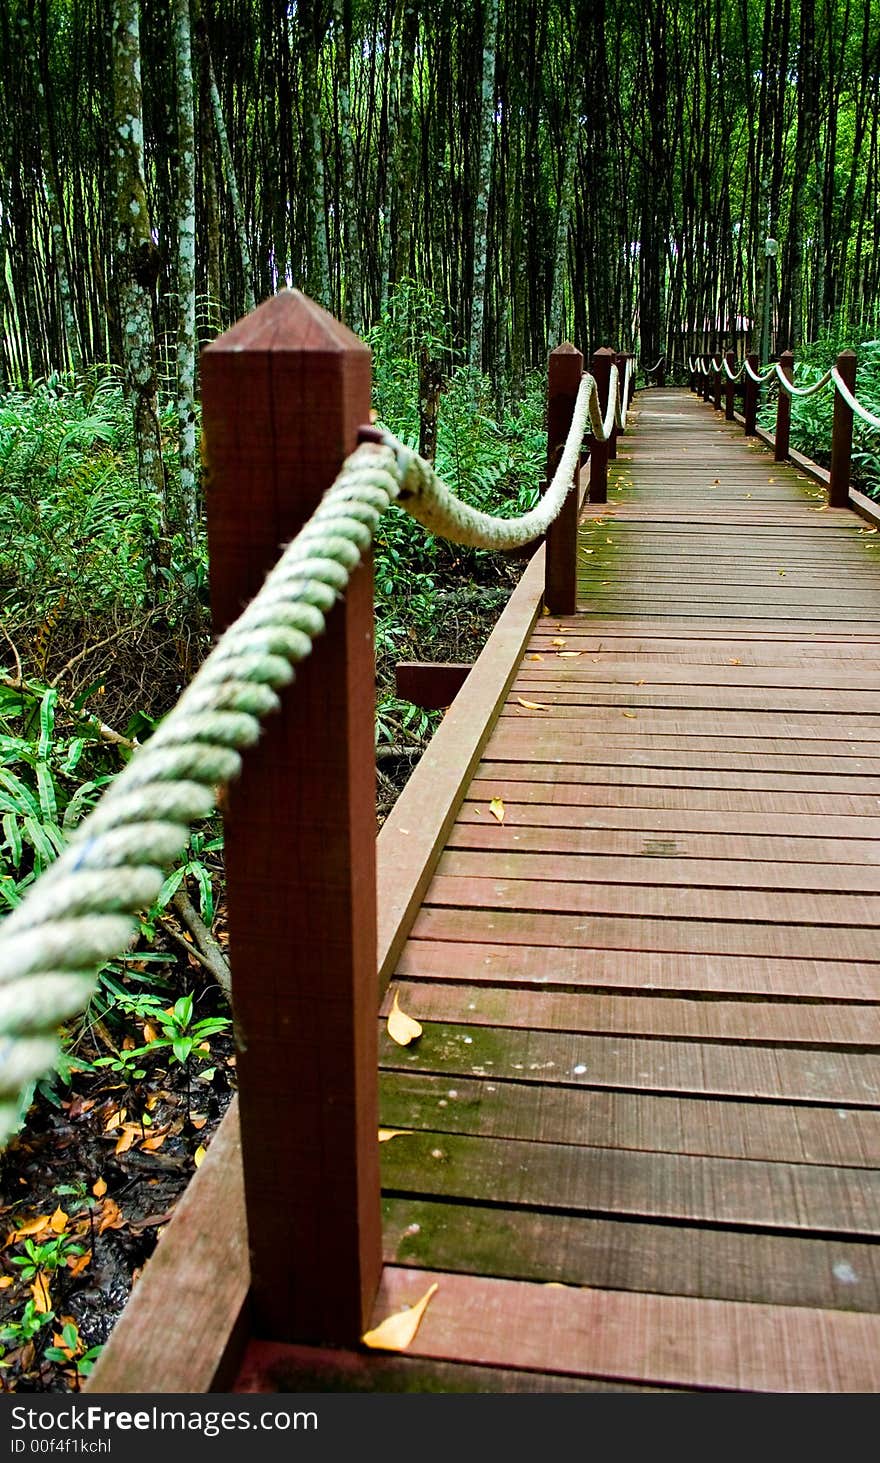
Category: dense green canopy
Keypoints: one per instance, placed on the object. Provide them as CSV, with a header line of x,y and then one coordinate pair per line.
x,y
608,172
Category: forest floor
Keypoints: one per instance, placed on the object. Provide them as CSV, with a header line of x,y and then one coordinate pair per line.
x,y
88,1185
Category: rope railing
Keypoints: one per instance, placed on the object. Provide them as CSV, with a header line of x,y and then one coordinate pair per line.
x,y
82,911
840,377
851,400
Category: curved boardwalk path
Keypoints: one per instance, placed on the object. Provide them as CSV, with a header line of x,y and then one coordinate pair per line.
x,y
643,1122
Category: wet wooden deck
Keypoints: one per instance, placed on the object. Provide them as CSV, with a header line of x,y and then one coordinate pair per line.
x,y
641,1130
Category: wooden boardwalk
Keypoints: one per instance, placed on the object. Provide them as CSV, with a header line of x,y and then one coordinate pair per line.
x,y
641,1130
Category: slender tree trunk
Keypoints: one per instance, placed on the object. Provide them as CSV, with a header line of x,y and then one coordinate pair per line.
x,y
186,268
351,245
138,260
484,179
228,163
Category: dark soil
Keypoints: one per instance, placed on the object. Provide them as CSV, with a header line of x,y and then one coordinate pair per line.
x,y
128,1149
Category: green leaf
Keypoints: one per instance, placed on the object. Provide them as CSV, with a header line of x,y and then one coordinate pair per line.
x,y
206,892
74,752
47,723
39,842
13,837
169,888
183,1009
182,1048
46,787
23,800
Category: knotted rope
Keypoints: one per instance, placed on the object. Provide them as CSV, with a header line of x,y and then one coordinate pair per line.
x,y
82,911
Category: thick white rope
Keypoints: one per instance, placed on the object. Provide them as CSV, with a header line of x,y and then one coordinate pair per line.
x,y
622,397
793,390
853,401
764,376
83,909
733,375
427,499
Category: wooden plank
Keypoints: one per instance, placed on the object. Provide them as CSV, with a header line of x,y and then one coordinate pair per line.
x,y
160,1345
826,1025
671,819
412,836
636,771
667,1259
696,799
285,391
639,932
681,972
670,1340
564,1178
720,700
753,905
712,873
838,853
846,1079
269,1367
700,1127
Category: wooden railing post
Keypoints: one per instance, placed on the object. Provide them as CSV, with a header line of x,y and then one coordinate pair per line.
x,y
750,395
707,377
600,366
841,435
661,372
612,440
729,387
284,392
717,385
565,367
783,409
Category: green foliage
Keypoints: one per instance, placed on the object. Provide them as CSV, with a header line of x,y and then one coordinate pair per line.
x,y
76,530
812,416
48,781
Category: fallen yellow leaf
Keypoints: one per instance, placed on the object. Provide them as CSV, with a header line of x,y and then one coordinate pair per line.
x,y
496,808
199,1155
534,657
557,641
99,1188
401,1028
76,1264
545,610
150,1145
533,705
31,1226
734,661
567,654
6,1281
115,1120
386,1134
128,1135
40,1292
58,1222
630,714
398,1331
111,1216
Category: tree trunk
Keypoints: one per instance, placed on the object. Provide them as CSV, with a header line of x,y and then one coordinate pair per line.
x,y
137,256
186,268
228,163
484,179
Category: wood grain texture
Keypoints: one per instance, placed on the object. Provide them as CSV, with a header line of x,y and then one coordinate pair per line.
x,y
284,394
638,1337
